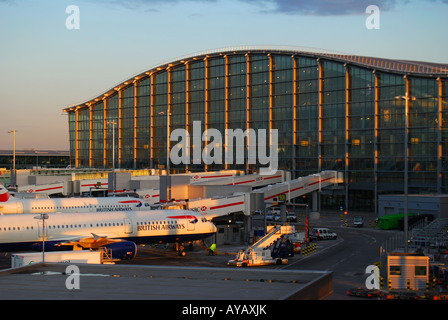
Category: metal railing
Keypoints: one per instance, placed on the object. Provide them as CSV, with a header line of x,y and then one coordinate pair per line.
x,y
422,235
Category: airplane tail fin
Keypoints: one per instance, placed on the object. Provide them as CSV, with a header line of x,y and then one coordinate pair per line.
x,y
4,194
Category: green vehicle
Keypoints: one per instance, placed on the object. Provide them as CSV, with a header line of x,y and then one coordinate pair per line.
x,y
391,221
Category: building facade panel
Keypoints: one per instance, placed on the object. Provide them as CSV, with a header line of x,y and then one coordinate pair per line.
x,y
332,112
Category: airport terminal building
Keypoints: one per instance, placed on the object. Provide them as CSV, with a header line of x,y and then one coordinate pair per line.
x,y
358,115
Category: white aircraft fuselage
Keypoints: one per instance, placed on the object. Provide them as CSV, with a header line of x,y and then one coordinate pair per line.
x,y
24,232
72,205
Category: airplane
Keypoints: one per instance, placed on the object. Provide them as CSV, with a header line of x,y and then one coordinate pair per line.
x,y
12,205
120,231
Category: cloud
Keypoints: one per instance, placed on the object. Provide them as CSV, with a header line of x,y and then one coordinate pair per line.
x,y
291,7
321,7
137,3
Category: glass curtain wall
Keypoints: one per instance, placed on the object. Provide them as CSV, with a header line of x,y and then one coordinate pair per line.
x,y
307,121
127,128
83,137
333,116
391,126
423,132
98,135
143,123
178,104
237,98
258,98
444,135
282,108
196,107
216,104
159,119
330,115
72,137
111,116
361,138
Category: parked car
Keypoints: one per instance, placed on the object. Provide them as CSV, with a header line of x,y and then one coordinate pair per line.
x,y
291,217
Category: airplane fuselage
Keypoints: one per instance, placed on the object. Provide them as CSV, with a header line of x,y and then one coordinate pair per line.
x,y
25,232
72,205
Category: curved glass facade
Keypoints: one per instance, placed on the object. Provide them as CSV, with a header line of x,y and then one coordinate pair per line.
x,y
332,112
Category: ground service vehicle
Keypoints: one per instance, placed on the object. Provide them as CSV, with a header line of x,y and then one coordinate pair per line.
x,y
323,234
391,221
358,221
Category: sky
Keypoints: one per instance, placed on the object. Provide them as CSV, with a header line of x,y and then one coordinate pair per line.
x,y
46,65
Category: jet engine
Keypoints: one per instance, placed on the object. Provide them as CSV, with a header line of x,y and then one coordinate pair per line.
x,y
122,250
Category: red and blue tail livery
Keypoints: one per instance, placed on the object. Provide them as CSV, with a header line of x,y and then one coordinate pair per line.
x,y
4,194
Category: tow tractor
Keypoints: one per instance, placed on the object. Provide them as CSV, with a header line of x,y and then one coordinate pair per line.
x,y
271,249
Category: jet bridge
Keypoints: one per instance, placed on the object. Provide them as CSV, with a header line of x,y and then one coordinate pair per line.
x,y
298,187
264,197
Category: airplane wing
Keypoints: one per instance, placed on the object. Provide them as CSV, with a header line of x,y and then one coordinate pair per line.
x,y
92,241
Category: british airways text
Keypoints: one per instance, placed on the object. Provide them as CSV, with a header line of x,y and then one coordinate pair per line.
x,y
152,227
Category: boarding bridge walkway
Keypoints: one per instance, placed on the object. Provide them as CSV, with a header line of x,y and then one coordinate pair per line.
x,y
301,186
270,188
220,206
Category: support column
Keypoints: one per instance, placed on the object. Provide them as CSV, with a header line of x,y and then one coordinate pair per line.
x,y
347,137
315,214
187,105
151,120
375,140
295,98
406,162
169,109
77,137
120,126
207,99
248,93
320,113
105,107
271,97
91,136
439,136
136,104
226,104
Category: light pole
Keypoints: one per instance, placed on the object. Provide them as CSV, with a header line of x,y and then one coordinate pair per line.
x,y
13,180
406,98
113,123
43,217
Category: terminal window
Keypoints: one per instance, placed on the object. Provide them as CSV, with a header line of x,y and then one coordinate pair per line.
x,y
420,270
395,270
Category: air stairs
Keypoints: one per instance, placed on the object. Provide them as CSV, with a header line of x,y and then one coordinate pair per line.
x,y
261,252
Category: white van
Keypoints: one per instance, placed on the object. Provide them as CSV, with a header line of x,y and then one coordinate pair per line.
x,y
323,234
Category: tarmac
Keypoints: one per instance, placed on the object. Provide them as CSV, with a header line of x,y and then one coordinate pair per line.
x,y
53,281
194,279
